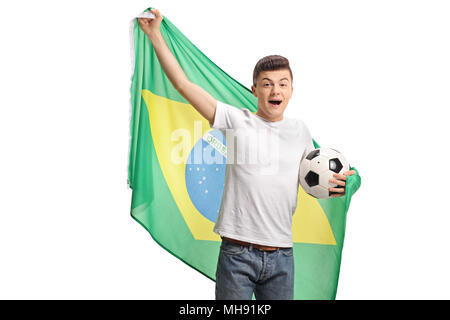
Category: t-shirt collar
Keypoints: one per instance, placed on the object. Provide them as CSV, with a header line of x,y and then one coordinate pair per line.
x,y
272,123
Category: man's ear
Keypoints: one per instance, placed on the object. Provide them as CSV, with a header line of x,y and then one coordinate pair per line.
x,y
254,91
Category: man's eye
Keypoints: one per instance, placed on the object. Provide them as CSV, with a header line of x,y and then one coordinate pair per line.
x,y
266,84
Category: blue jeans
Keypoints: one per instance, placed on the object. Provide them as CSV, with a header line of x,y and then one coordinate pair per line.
x,y
242,271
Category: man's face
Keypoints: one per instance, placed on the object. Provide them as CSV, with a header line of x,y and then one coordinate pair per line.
x,y
273,90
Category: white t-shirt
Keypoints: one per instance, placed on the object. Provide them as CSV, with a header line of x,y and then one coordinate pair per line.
x,y
261,177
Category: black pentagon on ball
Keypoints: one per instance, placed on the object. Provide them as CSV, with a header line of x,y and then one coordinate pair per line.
x,y
335,165
312,179
313,154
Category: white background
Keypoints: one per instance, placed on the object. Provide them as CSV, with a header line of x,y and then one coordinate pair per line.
x,y
371,79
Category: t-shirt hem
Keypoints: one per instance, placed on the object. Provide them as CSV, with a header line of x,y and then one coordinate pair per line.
x,y
253,240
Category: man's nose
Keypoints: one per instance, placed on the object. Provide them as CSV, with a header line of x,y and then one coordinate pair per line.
x,y
275,90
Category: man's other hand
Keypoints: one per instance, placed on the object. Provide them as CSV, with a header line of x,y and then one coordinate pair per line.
x,y
340,181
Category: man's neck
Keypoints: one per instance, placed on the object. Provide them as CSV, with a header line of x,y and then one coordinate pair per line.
x,y
262,115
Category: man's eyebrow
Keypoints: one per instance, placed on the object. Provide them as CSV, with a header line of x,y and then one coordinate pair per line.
x,y
272,80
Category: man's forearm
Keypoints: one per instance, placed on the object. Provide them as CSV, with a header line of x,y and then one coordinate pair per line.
x,y
168,62
200,99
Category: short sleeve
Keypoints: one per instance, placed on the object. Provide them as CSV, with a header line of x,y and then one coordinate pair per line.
x,y
309,145
229,117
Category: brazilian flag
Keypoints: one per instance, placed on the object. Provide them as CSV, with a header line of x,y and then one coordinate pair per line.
x,y
177,202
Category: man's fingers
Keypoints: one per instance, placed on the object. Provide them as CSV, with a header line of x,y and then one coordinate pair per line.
x,y
340,176
337,195
344,175
143,21
340,190
156,13
338,182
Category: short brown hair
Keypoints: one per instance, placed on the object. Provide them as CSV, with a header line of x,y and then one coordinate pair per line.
x,y
271,63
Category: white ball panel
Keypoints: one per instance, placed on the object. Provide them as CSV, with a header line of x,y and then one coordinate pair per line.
x,y
319,164
329,153
319,192
325,177
304,169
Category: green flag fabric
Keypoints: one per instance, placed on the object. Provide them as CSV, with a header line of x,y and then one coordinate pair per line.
x,y
177,201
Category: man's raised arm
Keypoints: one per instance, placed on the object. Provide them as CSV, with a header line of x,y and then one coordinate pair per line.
x,y
197,96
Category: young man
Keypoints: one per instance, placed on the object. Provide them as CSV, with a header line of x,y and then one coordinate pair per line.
x,y
255,217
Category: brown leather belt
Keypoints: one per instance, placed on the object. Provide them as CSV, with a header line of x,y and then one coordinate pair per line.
x,y
256,246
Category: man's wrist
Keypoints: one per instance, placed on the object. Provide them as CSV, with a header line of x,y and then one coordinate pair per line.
x,y
154,35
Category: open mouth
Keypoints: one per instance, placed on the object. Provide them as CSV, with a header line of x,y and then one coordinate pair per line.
x,y
275,103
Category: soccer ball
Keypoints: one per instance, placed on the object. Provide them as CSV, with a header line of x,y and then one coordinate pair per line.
x,y
317,168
